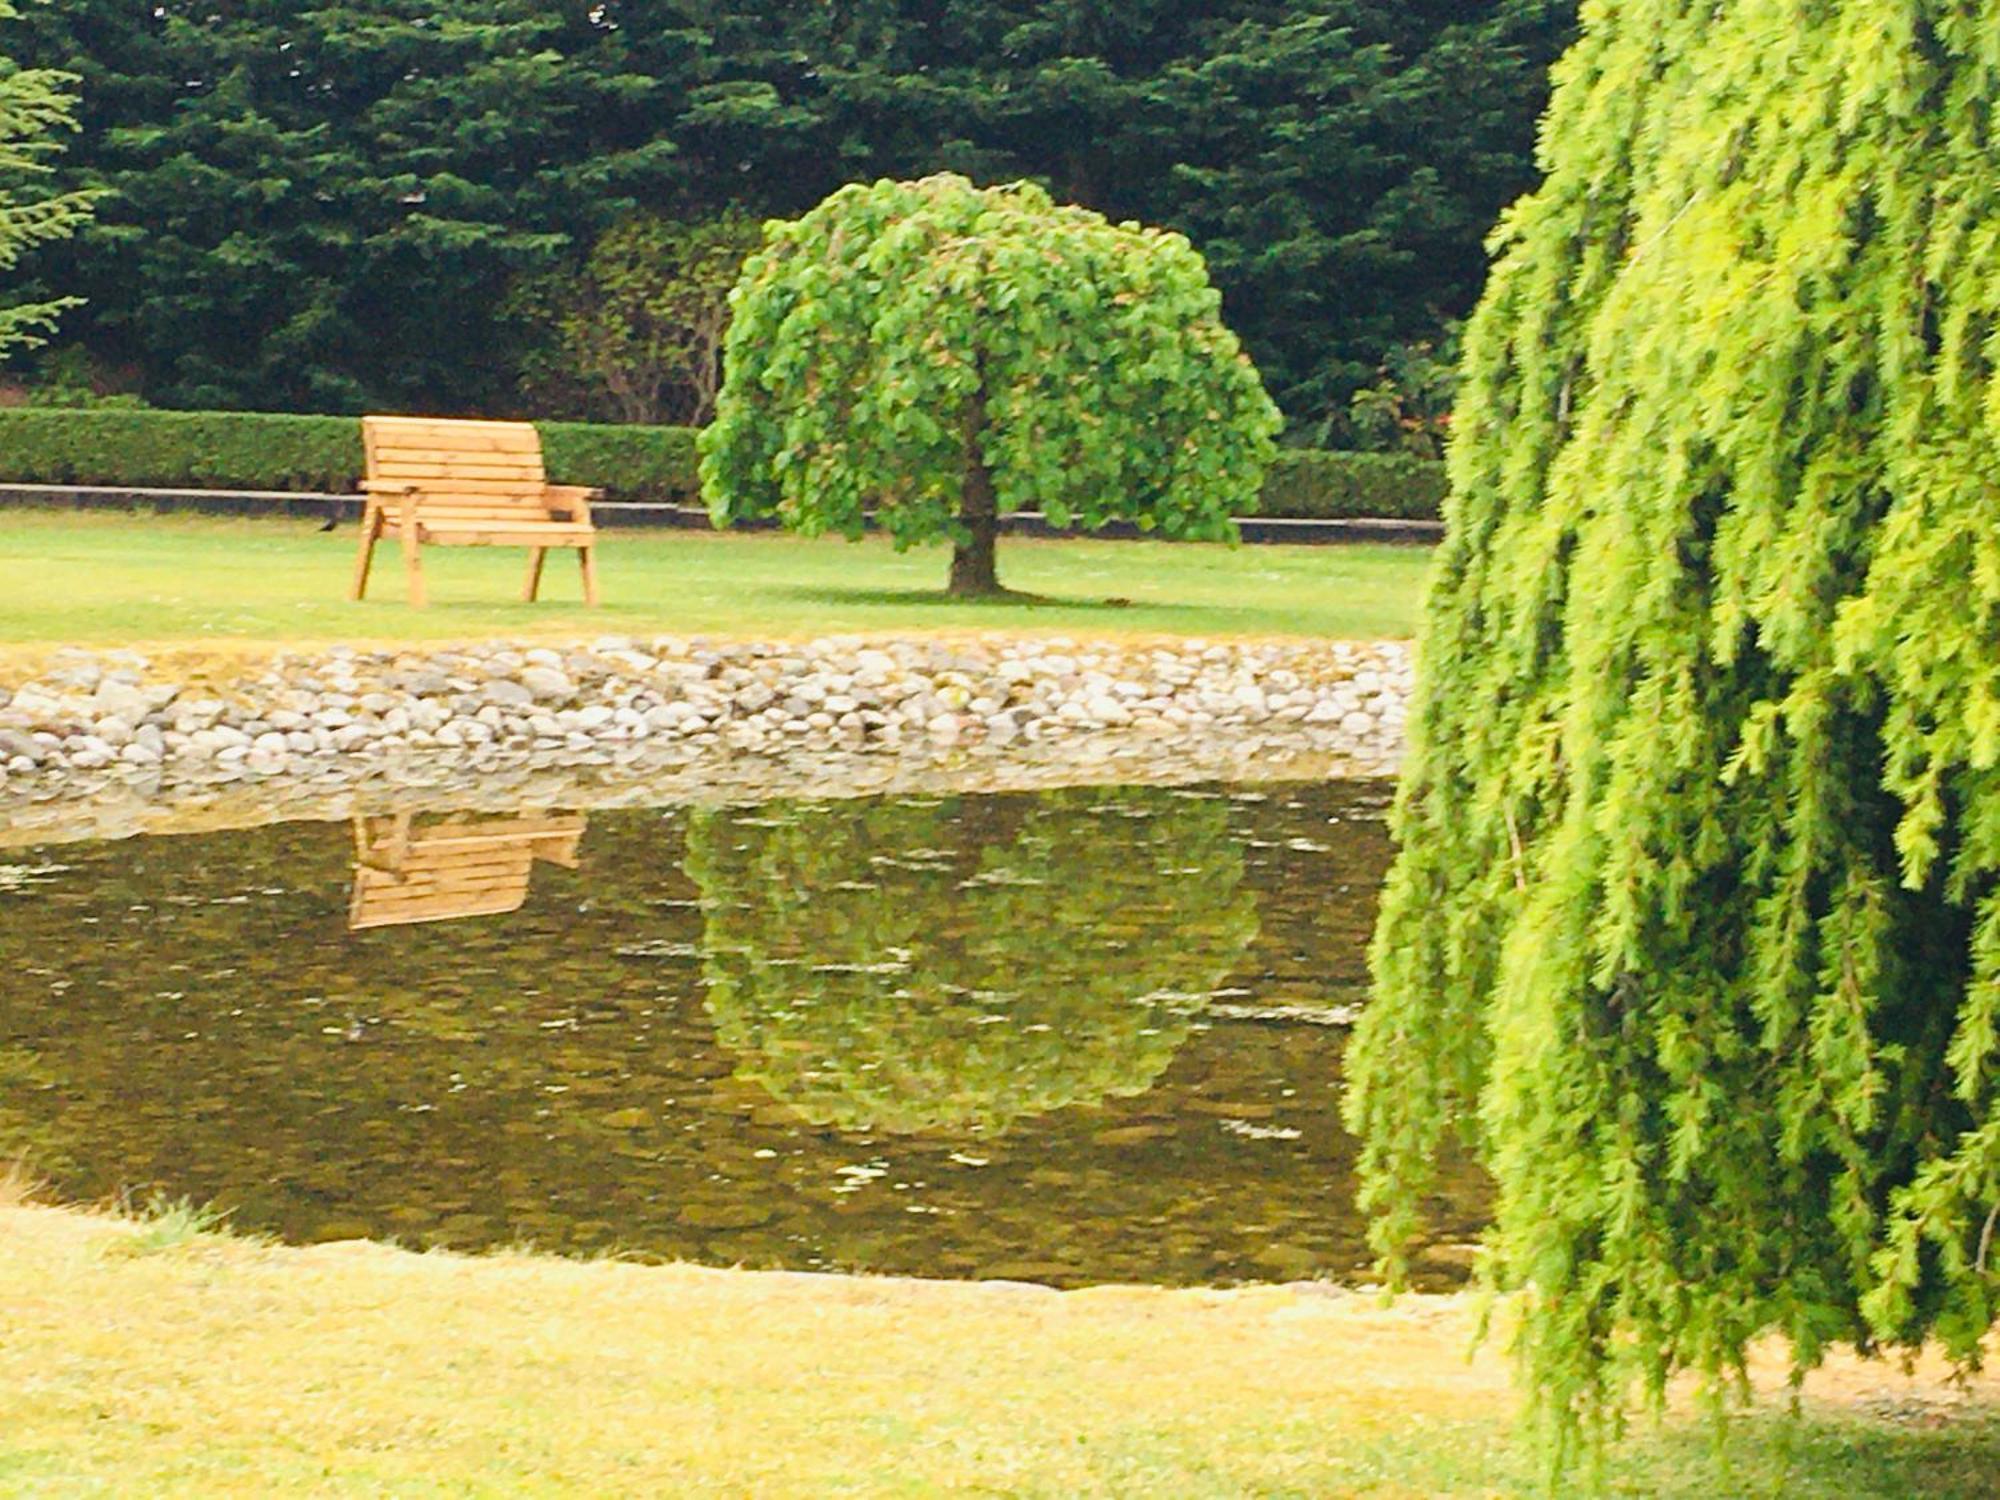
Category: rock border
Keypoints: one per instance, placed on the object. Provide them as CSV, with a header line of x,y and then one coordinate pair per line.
x,y
110,741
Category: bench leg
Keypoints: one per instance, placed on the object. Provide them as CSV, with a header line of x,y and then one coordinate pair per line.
x,y
534,583
371,528
414,564
587,558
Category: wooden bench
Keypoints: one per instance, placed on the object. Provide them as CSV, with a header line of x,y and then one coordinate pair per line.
x,y
477,868
457,484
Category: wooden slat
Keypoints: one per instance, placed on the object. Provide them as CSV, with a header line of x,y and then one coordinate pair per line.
x,y
515,507
453,531
450,502
453,513
521,439
370,912
524,467
379,896
382,896
371,917
389,423
500,536
521,476
469,889
486,868
374,917
476,450
495,500
489,519
468,895
405,430
447,837
466,866
450,427
516,441
430,461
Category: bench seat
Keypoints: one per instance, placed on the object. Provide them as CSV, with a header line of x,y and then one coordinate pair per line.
x,y
457,483
499,533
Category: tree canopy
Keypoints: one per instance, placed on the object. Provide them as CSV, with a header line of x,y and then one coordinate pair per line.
x,y
318,206
1696,921
936,354
956,977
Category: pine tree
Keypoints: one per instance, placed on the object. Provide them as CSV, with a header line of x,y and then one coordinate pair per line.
x,y
320,207
1695,927
289,180
35,104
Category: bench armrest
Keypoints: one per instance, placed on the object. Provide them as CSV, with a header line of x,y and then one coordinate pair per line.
x,y
407,493
571,499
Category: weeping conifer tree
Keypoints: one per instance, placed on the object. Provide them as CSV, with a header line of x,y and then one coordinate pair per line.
x,y
35,106
1695,928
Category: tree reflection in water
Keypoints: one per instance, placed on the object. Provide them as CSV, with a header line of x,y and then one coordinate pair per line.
x,y
906,965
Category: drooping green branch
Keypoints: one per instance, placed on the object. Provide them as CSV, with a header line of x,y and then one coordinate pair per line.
x,y
36,106
1694,926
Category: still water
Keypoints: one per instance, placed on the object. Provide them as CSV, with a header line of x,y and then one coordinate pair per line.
x,y
1074,1036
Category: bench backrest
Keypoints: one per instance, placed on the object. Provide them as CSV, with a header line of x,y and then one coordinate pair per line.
x,y
449,870
473,471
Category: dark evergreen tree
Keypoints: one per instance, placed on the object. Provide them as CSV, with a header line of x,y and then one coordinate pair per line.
x,y
320,203
317,207
1338,163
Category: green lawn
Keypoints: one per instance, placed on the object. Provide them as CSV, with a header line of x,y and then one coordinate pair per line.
x,y
156,1359
98,578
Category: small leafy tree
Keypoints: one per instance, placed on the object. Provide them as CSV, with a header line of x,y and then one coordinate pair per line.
x,y
34,105
872,988
1408,407
941,353
635,332
69,378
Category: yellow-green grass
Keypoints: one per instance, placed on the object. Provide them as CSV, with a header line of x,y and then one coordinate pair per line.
x,y
163,1359
99,579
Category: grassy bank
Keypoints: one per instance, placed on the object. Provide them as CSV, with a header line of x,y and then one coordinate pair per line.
x,y
146,1358
95,579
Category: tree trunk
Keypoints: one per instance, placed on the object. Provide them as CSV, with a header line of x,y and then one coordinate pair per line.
x,y
973,572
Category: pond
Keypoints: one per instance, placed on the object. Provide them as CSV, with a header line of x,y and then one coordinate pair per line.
x,y
1076,1036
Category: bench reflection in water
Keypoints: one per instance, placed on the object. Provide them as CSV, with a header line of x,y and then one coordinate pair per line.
x,y
443,871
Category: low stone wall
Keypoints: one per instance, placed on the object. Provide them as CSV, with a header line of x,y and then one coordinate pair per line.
x,y
743,720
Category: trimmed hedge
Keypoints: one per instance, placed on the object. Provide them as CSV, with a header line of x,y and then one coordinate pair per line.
x,y
199,450
259,451
1323,485
627,463
262,451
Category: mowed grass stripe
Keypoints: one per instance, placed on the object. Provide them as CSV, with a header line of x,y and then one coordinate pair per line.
x,y
104,579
